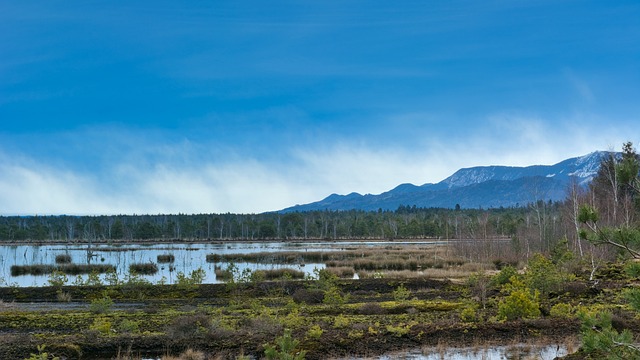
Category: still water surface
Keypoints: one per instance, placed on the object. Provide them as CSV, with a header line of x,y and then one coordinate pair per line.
x,y
506,352
188,257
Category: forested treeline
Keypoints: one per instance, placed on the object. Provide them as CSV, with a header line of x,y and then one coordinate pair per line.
x,y
405,222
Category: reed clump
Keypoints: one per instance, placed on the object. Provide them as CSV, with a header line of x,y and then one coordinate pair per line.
x,y
143,268
284,257
412,256
284,273
63,259
69,269
223,274
77,269
166,259
344,272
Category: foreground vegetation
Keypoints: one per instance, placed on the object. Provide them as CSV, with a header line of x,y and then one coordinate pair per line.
x,y
316,317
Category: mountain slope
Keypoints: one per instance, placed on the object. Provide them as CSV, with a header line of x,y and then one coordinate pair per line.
x,y
482,186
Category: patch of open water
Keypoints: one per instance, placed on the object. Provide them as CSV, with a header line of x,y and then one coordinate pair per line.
x,y
188,257
505,352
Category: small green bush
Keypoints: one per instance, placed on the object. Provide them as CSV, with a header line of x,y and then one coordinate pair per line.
x,y
401,294
334,297
128,326
196,277
468,315
101,325
102,305
42,355
561,310
341,321
57,278
632,269
543,275
93,279
399,330
520,304
285,348
315,332
503,276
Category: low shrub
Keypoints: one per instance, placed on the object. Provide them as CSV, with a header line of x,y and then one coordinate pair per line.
x,y
189,326
285,348
504,276
41,354
333,296
308,296
101,306
520,304
561,310
128,326
315,332
341,321
196,277
543,275
102,325
401,294
399,330
262,328
371,309
469,315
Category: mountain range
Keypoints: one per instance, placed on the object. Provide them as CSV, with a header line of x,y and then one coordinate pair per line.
x,y
475,187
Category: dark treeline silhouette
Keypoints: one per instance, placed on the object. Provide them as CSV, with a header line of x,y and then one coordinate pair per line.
x,y
405,222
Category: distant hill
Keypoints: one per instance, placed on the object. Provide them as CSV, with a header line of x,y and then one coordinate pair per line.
x,y
481,186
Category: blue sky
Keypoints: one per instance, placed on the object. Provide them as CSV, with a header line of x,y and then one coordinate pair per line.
x,y
110,107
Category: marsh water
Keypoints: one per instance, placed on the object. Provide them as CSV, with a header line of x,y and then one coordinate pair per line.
x,y
187,257
500,352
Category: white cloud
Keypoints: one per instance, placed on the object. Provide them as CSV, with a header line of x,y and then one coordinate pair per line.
x,y
182,177
36,189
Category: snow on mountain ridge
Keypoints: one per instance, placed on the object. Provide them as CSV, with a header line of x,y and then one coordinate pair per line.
x,y
483,186
583,167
